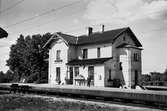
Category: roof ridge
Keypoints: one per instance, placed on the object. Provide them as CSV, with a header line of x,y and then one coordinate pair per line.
x,y
51,38
98,32
106,37
68,35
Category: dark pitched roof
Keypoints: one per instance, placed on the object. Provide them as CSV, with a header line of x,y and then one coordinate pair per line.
x,y
72,40
69,39
88,61
3,33
105,37
97,38
50,41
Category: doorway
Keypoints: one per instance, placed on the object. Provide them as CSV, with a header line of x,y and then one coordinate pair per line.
x,y
91,74
136,77
71,75
58,75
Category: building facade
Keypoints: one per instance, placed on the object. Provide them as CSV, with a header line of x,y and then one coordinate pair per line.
x,y
109,58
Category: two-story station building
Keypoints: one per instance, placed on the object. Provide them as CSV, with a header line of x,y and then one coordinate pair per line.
x,y
107,58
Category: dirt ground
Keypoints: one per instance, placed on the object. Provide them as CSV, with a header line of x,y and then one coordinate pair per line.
x,y
17,102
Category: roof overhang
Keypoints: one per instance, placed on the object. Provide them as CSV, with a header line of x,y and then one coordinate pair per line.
x,y
133,36
125,45
50,41
3,33
56,36
85,62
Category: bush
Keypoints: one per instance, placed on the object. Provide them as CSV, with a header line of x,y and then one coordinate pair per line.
x,y
116,83
41,81
32,78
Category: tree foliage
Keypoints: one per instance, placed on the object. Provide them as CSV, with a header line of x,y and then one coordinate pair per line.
x,y
154,78
6,77
27,58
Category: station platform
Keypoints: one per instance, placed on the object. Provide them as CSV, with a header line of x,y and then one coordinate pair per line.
x,y
158,97
52,86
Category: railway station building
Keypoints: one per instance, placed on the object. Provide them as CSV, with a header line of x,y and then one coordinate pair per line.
x,y
107,58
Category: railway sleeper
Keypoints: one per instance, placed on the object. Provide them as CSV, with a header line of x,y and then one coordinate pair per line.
x,y
155,104
108,98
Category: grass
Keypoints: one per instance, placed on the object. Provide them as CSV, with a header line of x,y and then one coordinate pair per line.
x,y
39,103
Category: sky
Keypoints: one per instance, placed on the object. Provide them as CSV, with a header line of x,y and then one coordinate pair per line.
x,y
146,18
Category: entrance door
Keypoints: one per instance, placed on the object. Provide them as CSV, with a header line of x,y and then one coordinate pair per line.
x,y
58,74
71,75
136,77
91,74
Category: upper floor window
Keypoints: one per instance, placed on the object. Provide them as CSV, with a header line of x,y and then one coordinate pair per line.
x,y
58,54
109,74
124,38
136,57
98,52
85,53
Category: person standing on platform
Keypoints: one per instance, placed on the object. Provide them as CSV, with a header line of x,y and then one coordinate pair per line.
x,y
88,81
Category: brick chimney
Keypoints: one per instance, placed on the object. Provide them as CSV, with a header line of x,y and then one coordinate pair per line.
x,y
90,30
102,28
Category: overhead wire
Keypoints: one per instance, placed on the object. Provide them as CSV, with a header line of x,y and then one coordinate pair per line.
x,y
48,22
45,23
42,14
11,7
57,9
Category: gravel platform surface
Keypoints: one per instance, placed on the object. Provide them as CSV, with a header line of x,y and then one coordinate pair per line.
x,y
17,102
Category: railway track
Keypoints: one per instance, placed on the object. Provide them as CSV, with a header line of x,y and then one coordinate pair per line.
x,y
94,99
119,101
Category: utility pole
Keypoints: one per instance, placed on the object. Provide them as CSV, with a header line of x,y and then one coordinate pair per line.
x,y
0,6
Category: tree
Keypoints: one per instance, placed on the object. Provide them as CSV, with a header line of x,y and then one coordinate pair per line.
x,y
1,76
16,57
145,79
155,76
165,76
27,57
6,77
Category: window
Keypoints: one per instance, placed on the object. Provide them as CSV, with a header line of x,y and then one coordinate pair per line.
x,y
91,72
58,74
85,53
135,57
109,74
100,78
124,39
58,54
76,69
71,73
98,52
